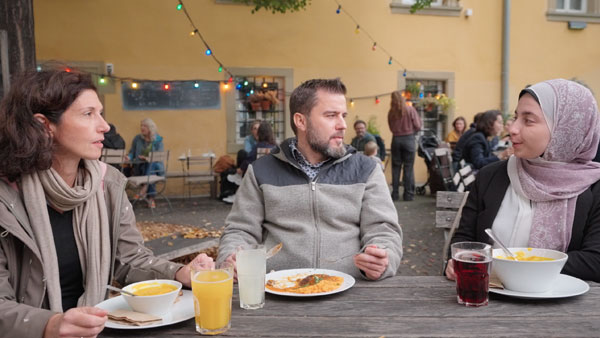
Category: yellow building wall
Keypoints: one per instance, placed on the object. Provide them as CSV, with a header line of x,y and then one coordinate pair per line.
x,y
149,39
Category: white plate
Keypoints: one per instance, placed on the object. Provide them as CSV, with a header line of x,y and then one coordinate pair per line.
x,y
565,286
281,274
180,311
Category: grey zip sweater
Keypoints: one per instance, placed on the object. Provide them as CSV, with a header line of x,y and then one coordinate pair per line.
x,y
347,207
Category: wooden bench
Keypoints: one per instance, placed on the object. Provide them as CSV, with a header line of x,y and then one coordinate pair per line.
x,y
447,217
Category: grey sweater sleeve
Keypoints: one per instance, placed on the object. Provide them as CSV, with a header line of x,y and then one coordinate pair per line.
x,y
243,225
379,221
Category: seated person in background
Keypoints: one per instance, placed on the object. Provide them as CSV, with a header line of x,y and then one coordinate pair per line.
x,y
145,142
362,136
371,150
457,151
67,227
459,126
317,196
477,150
112,139
250,140
266,142
547,195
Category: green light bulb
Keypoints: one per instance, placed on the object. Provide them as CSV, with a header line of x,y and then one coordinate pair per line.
x,y
179,6
220,69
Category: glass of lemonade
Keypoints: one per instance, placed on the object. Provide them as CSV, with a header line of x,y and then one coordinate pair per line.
x,y
251,269
212,291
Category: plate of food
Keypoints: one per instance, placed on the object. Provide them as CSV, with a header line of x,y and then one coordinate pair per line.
x,y
121,315
307,282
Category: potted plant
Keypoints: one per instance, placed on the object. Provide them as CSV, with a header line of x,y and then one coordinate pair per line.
x,y
412,90
428,103
255,101
445,103
269,99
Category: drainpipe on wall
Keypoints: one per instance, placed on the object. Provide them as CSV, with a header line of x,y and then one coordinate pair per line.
x,y
505,57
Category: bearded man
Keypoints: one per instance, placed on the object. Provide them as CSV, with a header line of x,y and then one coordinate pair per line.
x,y
317,196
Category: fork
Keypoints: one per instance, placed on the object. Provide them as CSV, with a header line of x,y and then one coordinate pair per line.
x,y
333,260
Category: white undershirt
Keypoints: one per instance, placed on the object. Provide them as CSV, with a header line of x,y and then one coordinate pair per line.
x,y
513,221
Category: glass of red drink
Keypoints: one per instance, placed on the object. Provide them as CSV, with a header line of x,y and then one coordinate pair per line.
x,y
472,266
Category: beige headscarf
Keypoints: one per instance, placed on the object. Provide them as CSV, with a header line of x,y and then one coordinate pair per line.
x,y
90,226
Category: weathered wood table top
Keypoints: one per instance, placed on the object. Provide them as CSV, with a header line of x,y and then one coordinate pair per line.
x,y
402,307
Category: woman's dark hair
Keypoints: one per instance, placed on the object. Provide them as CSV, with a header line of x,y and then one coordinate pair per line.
x,y
265,133
25,143
485,124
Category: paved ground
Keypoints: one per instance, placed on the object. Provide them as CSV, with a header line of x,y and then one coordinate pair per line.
x,y
422,241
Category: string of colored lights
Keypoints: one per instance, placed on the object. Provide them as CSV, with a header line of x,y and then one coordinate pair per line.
x,y
374,47
196,32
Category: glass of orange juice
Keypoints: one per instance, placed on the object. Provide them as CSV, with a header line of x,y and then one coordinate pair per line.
x,y
212,291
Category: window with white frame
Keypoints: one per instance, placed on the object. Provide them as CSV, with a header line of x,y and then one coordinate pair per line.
x,y
573,6
574,10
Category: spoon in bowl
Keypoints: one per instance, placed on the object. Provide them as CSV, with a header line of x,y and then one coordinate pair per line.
x,y
490,233
110,287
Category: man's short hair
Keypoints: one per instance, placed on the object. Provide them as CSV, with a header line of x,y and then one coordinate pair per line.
x,y
304,97
359,122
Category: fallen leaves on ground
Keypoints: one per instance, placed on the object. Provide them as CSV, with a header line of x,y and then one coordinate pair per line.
x,y
152,230
211,252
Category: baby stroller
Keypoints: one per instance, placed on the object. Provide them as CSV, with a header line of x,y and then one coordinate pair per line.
x,y
439,163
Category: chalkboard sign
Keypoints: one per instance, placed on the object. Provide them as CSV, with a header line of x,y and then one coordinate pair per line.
x,y
153,95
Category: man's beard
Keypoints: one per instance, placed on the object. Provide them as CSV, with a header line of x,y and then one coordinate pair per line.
x,y
322,146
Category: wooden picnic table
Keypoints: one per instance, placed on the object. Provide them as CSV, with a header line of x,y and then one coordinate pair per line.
x,y
402,306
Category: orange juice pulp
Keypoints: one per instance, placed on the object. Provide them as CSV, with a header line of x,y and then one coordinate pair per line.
x,y
212,292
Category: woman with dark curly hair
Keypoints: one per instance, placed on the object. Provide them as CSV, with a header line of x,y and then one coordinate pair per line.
x,y
477,150
66,226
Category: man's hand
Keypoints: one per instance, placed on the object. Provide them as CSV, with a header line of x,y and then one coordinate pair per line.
x,y
184,275
76,322
450,274
372,262
232,262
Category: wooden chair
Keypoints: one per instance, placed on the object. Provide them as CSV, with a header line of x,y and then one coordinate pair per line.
x,y
463,177
114,157
450,205
153,177
198,170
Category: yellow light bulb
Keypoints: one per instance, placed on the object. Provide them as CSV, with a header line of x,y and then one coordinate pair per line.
x,y
134,85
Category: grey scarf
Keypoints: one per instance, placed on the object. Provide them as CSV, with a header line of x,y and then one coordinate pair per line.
x,y
90,226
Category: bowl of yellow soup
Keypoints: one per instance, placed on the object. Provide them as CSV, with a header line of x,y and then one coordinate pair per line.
x,y
154,297
534,271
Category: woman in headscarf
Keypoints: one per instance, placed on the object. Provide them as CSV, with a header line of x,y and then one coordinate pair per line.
x,y
66,226
546,195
